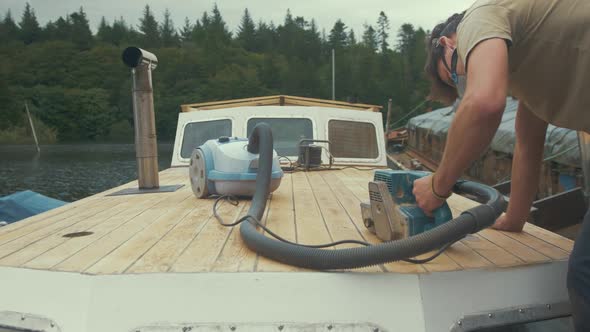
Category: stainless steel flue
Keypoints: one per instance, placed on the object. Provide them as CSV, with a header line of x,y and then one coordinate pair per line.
x,y
142,63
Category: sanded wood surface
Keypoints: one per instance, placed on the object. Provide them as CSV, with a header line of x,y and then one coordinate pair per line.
x,y
176,232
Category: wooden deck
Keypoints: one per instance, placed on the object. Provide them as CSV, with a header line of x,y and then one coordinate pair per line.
x,y
175,232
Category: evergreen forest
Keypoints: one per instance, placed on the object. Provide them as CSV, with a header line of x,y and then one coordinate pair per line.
x,y
78,90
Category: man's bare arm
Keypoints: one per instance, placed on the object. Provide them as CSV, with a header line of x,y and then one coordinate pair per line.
x,y
479,113
475,123
526,166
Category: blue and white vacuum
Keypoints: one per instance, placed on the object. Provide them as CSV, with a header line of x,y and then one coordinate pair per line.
x,y
225,166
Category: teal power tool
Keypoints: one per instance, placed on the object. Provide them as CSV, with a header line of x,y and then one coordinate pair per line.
x,y
392,212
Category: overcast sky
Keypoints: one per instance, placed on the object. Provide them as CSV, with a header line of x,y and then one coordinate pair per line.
x,y
424,13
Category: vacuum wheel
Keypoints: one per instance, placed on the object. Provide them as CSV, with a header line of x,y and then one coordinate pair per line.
x,y
198,174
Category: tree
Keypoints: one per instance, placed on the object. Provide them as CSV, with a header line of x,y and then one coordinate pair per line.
x,y
247,32
217,29
351,38
337,38
90,90
80,33
105,31
186,31
266,37
148,26
8,29
29,27
63,28
121,32
383,31
406,38
370,38
167,31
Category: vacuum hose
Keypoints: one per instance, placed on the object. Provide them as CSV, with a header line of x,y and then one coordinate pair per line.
x,y
470,221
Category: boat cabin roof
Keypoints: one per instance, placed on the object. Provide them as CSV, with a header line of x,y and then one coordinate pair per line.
x,y
176,232
278,100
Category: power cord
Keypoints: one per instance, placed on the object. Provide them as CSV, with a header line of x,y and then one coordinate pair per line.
x,y
294,167
233,201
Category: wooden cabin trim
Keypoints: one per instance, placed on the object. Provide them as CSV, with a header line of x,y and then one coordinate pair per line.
x,y
278,100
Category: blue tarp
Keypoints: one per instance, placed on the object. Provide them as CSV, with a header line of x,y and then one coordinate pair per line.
x,y
24,204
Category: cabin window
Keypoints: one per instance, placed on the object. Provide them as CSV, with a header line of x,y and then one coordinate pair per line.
x,y
197,133
351,139
286,133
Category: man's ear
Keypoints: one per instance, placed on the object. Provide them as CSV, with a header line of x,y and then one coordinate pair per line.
x,y
446,41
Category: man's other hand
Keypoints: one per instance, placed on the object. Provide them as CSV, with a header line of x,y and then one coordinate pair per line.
x,y
504,223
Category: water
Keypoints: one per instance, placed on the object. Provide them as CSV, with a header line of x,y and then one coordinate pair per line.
x,y
69,172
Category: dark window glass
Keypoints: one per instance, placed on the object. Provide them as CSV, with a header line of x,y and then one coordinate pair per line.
x,y
197,133
286,133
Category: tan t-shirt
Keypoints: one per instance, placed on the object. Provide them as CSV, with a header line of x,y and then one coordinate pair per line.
x,y
549,53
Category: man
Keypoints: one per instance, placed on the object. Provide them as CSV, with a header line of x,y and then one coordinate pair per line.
x,y
539,52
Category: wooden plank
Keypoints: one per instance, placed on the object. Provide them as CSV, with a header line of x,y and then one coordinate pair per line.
x,y
311,228
360,192
31,224
63,211
442,263
495,254
518,249
320,102
37,235
550,237
539,245
313,103
362,176
163,254
91,254
281,220
68,247
51,241
339,224
131,250
36,224
268,102
232,101
490,251
275,100
466,257
235,255
351,205
523,251
201,253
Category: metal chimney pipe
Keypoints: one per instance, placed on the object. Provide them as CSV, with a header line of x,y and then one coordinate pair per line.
x,y
142,63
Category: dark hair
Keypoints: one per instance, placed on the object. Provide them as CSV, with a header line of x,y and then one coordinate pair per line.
x,y
439,90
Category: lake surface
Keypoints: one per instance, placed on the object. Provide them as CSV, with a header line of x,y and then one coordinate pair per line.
x,y
69,172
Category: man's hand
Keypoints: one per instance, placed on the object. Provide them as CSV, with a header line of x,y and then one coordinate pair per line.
x,y
507,224
424,196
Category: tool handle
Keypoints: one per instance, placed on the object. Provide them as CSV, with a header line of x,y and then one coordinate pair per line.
x,y
441,214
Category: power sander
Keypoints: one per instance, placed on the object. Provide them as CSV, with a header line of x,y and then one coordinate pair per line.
x,y
392,212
